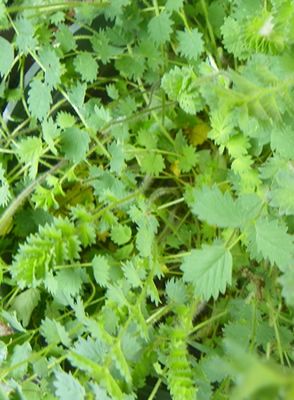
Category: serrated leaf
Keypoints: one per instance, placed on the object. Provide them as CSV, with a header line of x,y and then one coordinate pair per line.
x,y
21,354
39,99
121,234
190,44
75,144
54,332
176,291
174,5
101,270
30,150
50,132
152,163
24,304
86,66
160,28
7,56
209,270
11,319
216,208
274,243
51,63
25,40
67,387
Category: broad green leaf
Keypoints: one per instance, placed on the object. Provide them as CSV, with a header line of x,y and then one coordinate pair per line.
x,y
67,387
160,28
39,99
25,303
75,144
274,243
216,208
209,270
7,56
190,44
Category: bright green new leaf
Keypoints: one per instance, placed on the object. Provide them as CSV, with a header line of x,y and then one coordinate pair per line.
x,y
274,243
7,56
86,66
25,303
160,28
39,99
67,387
216,208
209,270
75,144
190,44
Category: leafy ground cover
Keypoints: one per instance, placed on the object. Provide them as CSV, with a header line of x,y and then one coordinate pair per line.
x,y
146,199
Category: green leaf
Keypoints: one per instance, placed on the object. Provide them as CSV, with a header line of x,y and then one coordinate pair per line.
x,y
152,163
209,270
101,269
50,132
121,234
174,5
176,291
216,208
75,144
287,282
67,387
282,193
190,44
54,332
86,65
25,40
282,140
160,28
7,57
24,304
30,150
188,158
11,319
274,243
50,62
19,360
39,99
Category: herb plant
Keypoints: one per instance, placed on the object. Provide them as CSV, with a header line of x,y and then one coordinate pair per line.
x,y
147,199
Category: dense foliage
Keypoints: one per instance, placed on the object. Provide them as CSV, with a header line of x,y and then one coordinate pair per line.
x,y
147,199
